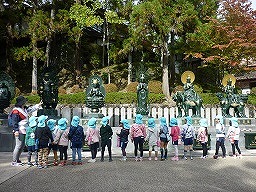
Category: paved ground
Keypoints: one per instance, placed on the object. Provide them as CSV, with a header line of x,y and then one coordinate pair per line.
x,y
185,175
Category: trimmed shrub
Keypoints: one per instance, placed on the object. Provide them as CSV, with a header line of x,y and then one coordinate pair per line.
x,y
209,98
252,99
76,98
253,90
132,87
155,87
76,89
121,98
111,87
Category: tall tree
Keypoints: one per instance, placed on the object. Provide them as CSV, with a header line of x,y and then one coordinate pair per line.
x,y
228,39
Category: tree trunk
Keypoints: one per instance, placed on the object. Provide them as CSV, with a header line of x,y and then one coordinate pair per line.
x,y
9,45
172,61
165,85
129,67
34,71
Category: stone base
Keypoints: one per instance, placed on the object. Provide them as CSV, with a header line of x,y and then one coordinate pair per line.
x,y
51,113
95,115
195,121
7,142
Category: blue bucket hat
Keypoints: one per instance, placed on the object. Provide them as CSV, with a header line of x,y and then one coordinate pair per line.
x,y
32,121
51,124
105,120
92,123
75,121
189,120
173,122
41,120
234,121
203,123
151,122
138,119
126,124
220,118
163,121
62,124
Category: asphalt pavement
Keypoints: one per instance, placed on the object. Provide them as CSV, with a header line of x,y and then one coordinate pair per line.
x,y
227,174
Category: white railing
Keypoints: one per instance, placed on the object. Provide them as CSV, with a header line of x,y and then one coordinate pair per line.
x,y
128,112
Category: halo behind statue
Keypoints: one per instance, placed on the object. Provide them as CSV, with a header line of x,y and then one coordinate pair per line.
x,y
185,75
226,79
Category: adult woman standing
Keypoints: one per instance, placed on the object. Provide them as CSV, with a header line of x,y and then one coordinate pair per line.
x,y
19,122
138,135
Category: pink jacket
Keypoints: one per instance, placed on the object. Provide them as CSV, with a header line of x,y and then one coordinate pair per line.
x,y
138,130
175,133
202,136
61,137
94,134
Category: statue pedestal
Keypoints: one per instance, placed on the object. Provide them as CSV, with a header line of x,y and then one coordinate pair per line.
x,y
245,124
51,113
195,121
7,142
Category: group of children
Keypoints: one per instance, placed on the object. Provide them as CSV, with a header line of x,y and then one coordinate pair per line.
x,y
44,135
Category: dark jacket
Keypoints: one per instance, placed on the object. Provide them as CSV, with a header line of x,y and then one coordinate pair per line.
x,y
76,134
105,132
124,135
43,134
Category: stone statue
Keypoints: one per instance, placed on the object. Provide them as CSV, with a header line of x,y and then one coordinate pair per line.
x,y
142,95
188,99
7,92
230,98
48,92
95,94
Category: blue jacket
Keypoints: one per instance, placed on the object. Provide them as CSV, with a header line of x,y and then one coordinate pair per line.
x,y
76,134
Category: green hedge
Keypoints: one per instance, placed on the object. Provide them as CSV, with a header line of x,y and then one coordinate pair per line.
x,y
129,98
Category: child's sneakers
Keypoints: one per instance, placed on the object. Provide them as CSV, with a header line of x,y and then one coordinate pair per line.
x,y
30,164
73,163
136,159
175,158
92,161
16,164
40,167
141,158
149,158
55,163
62,164
79,163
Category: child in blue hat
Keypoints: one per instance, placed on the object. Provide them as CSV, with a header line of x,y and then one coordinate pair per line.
x,y
93,138
30,141
43,134
61,140
51,123
164,138
106,135
233,135
138,135
76,136
124,137
202,136
153,138
175,134
188,135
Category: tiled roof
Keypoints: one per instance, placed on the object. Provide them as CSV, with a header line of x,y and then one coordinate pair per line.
x,y
247,75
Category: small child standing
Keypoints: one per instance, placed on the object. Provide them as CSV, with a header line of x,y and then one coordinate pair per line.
x,y
153,138
106,135
124,137
76,136
61,139
175,134
30,141
233,135
43,134
51,124
202,136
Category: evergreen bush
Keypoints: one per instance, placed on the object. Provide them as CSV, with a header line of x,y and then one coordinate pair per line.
x,y
132,87
155,87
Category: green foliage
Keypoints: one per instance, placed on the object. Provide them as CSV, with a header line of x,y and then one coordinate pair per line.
x,y
132,87
198,89
253,90
156,98
155,87
85,16
121,98
209,98
76,98
252,99
111,87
